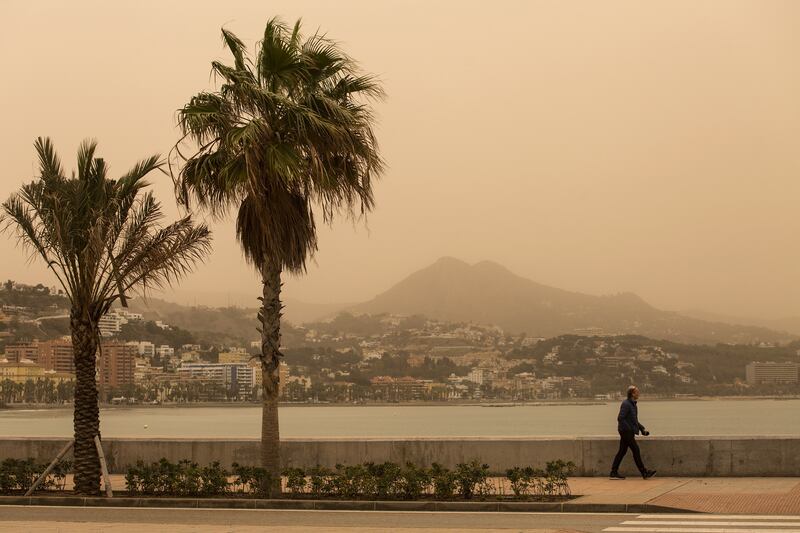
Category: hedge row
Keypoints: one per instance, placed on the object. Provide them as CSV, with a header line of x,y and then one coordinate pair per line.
x,y
20,474
364,481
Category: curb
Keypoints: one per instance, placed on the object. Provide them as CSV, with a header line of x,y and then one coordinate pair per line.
x,y
341,505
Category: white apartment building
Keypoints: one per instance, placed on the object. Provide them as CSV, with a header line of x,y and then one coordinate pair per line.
x,y
143,348
479,376
238,376
165,351
111,323
770,372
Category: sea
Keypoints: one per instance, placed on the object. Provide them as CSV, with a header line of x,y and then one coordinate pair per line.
x,y
696,417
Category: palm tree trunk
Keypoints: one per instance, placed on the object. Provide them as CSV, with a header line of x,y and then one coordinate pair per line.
x,y
87,412
270,317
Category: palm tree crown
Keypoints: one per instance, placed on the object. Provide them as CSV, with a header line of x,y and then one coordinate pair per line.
x,y
99,236
284,134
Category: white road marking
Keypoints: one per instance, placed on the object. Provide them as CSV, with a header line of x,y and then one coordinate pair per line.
x,y
697,530
720,516
705,522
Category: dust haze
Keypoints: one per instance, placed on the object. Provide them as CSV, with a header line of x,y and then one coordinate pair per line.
x,y
597,147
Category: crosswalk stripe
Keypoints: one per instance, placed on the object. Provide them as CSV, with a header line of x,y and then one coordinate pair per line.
x,y
705,522
697,530
719,517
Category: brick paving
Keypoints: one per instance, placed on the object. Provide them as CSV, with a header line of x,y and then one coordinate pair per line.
x,y
733,499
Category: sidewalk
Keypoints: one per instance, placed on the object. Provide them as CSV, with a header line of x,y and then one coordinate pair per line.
x,y
707,495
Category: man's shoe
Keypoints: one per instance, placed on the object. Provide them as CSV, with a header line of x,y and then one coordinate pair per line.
x,y
616,475
647,474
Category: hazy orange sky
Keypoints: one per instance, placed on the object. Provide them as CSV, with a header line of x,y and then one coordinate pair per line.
x,y
600,147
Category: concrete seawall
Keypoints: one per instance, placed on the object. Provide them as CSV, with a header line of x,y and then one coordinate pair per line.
x,y
672,456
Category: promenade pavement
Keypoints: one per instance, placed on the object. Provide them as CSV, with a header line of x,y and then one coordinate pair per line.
x,y
773,495
750,495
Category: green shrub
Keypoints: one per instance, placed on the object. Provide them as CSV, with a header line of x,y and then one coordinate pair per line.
x,y
556,475
320,479
413,482
444,482
351,481
251,479
384,480
214,480
369,480
20,474
295,480
524,481
471,479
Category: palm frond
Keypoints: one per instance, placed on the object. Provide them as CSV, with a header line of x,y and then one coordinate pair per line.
x,y
289,131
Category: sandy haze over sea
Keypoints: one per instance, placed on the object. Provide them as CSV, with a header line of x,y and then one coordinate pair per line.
x,y
594,146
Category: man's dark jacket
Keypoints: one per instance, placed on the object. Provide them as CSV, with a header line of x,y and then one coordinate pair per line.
x,y
628,419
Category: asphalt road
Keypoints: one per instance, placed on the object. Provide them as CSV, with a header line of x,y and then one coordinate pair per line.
x,y
152,520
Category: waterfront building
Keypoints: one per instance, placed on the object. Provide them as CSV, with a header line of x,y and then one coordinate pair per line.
x,y
21,371
402,389
57,355
116,364
770,372
239,378
23,350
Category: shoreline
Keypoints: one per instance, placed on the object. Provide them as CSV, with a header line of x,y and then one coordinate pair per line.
x,y
463,403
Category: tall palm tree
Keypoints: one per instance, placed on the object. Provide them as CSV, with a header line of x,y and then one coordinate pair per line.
x,y
286,134
102,239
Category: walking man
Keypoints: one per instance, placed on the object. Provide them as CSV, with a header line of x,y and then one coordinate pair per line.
x,y
628,426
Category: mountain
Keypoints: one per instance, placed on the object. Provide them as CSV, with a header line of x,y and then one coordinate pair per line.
x,y
489,293
788,324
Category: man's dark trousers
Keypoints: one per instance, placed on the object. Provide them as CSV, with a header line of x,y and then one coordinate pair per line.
x,y
627,439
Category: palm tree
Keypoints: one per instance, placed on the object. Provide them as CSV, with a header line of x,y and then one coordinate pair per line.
x,y
102,239
286,134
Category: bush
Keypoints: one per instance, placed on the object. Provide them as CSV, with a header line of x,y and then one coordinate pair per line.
x,y
552,481
214,479
384,480
295,480
444,482
524,481
20,475
351,481
556,477
365,481
251,479
414,482
472,478
184,478
320,479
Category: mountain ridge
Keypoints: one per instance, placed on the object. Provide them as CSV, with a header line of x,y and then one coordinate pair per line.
x,y
489,293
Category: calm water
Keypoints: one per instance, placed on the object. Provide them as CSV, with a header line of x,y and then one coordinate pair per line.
x,y
695,417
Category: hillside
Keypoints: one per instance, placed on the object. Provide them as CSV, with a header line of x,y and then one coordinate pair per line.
x,y
488,293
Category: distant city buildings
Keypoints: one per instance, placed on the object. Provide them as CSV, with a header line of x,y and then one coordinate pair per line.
x,y
112,323
237,378
22,351
116,364
760,373
56,355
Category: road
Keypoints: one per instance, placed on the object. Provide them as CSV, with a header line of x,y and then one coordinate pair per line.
x,y
153,520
